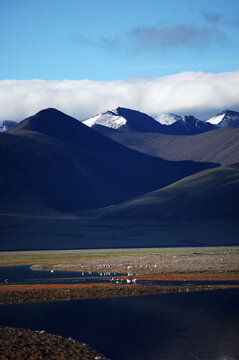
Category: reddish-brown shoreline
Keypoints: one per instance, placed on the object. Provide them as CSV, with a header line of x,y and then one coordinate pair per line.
x,y
54,292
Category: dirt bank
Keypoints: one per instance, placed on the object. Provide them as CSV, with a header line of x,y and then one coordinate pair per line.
x,y
20,344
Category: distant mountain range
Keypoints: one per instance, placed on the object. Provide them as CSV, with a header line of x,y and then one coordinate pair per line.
x,y
224,118
122,119
210,142
126,120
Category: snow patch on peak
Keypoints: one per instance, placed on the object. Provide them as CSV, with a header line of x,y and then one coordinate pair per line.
x,y
215,120
109,119
226,118
166,118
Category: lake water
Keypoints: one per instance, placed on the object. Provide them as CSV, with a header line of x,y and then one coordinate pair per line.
x,y
24,275
182,326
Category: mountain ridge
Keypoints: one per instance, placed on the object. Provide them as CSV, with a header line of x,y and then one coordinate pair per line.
x,y
123,119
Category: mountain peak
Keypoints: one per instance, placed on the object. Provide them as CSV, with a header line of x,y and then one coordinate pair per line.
x,y
166,118
54,123
125,119
190,125
225,118
189,119
109,119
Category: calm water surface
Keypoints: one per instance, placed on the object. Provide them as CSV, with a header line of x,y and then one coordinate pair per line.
x,y
183,326
24,275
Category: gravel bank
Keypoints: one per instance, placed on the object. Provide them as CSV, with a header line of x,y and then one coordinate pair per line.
x,y
222,263
20,344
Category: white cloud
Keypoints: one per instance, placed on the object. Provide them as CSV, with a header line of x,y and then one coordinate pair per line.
x,y
197,93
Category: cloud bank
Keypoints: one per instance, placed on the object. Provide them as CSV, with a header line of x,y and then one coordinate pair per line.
x,y
197,93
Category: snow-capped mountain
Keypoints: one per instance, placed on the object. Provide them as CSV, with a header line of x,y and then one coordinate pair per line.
x,y
109,119
7,124
225,118
125,119
166,118
166,123
131,120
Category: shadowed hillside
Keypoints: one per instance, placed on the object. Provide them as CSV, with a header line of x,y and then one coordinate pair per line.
x,y
52,160
219,146
207,196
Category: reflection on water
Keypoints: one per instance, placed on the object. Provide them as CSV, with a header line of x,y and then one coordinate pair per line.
x,y
182,326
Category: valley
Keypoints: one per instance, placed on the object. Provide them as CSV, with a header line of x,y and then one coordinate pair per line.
x,y
145,209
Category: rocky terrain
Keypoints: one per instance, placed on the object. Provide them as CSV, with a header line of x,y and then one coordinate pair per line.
x,y
20,344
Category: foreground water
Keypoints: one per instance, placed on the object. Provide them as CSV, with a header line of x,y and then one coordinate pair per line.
x,y
182,326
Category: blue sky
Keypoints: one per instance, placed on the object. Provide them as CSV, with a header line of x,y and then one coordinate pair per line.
x,y
109,40
88,56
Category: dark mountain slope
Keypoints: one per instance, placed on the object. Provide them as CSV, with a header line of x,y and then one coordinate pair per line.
x,y
209,195
53,160
138,121
219,146
189,125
